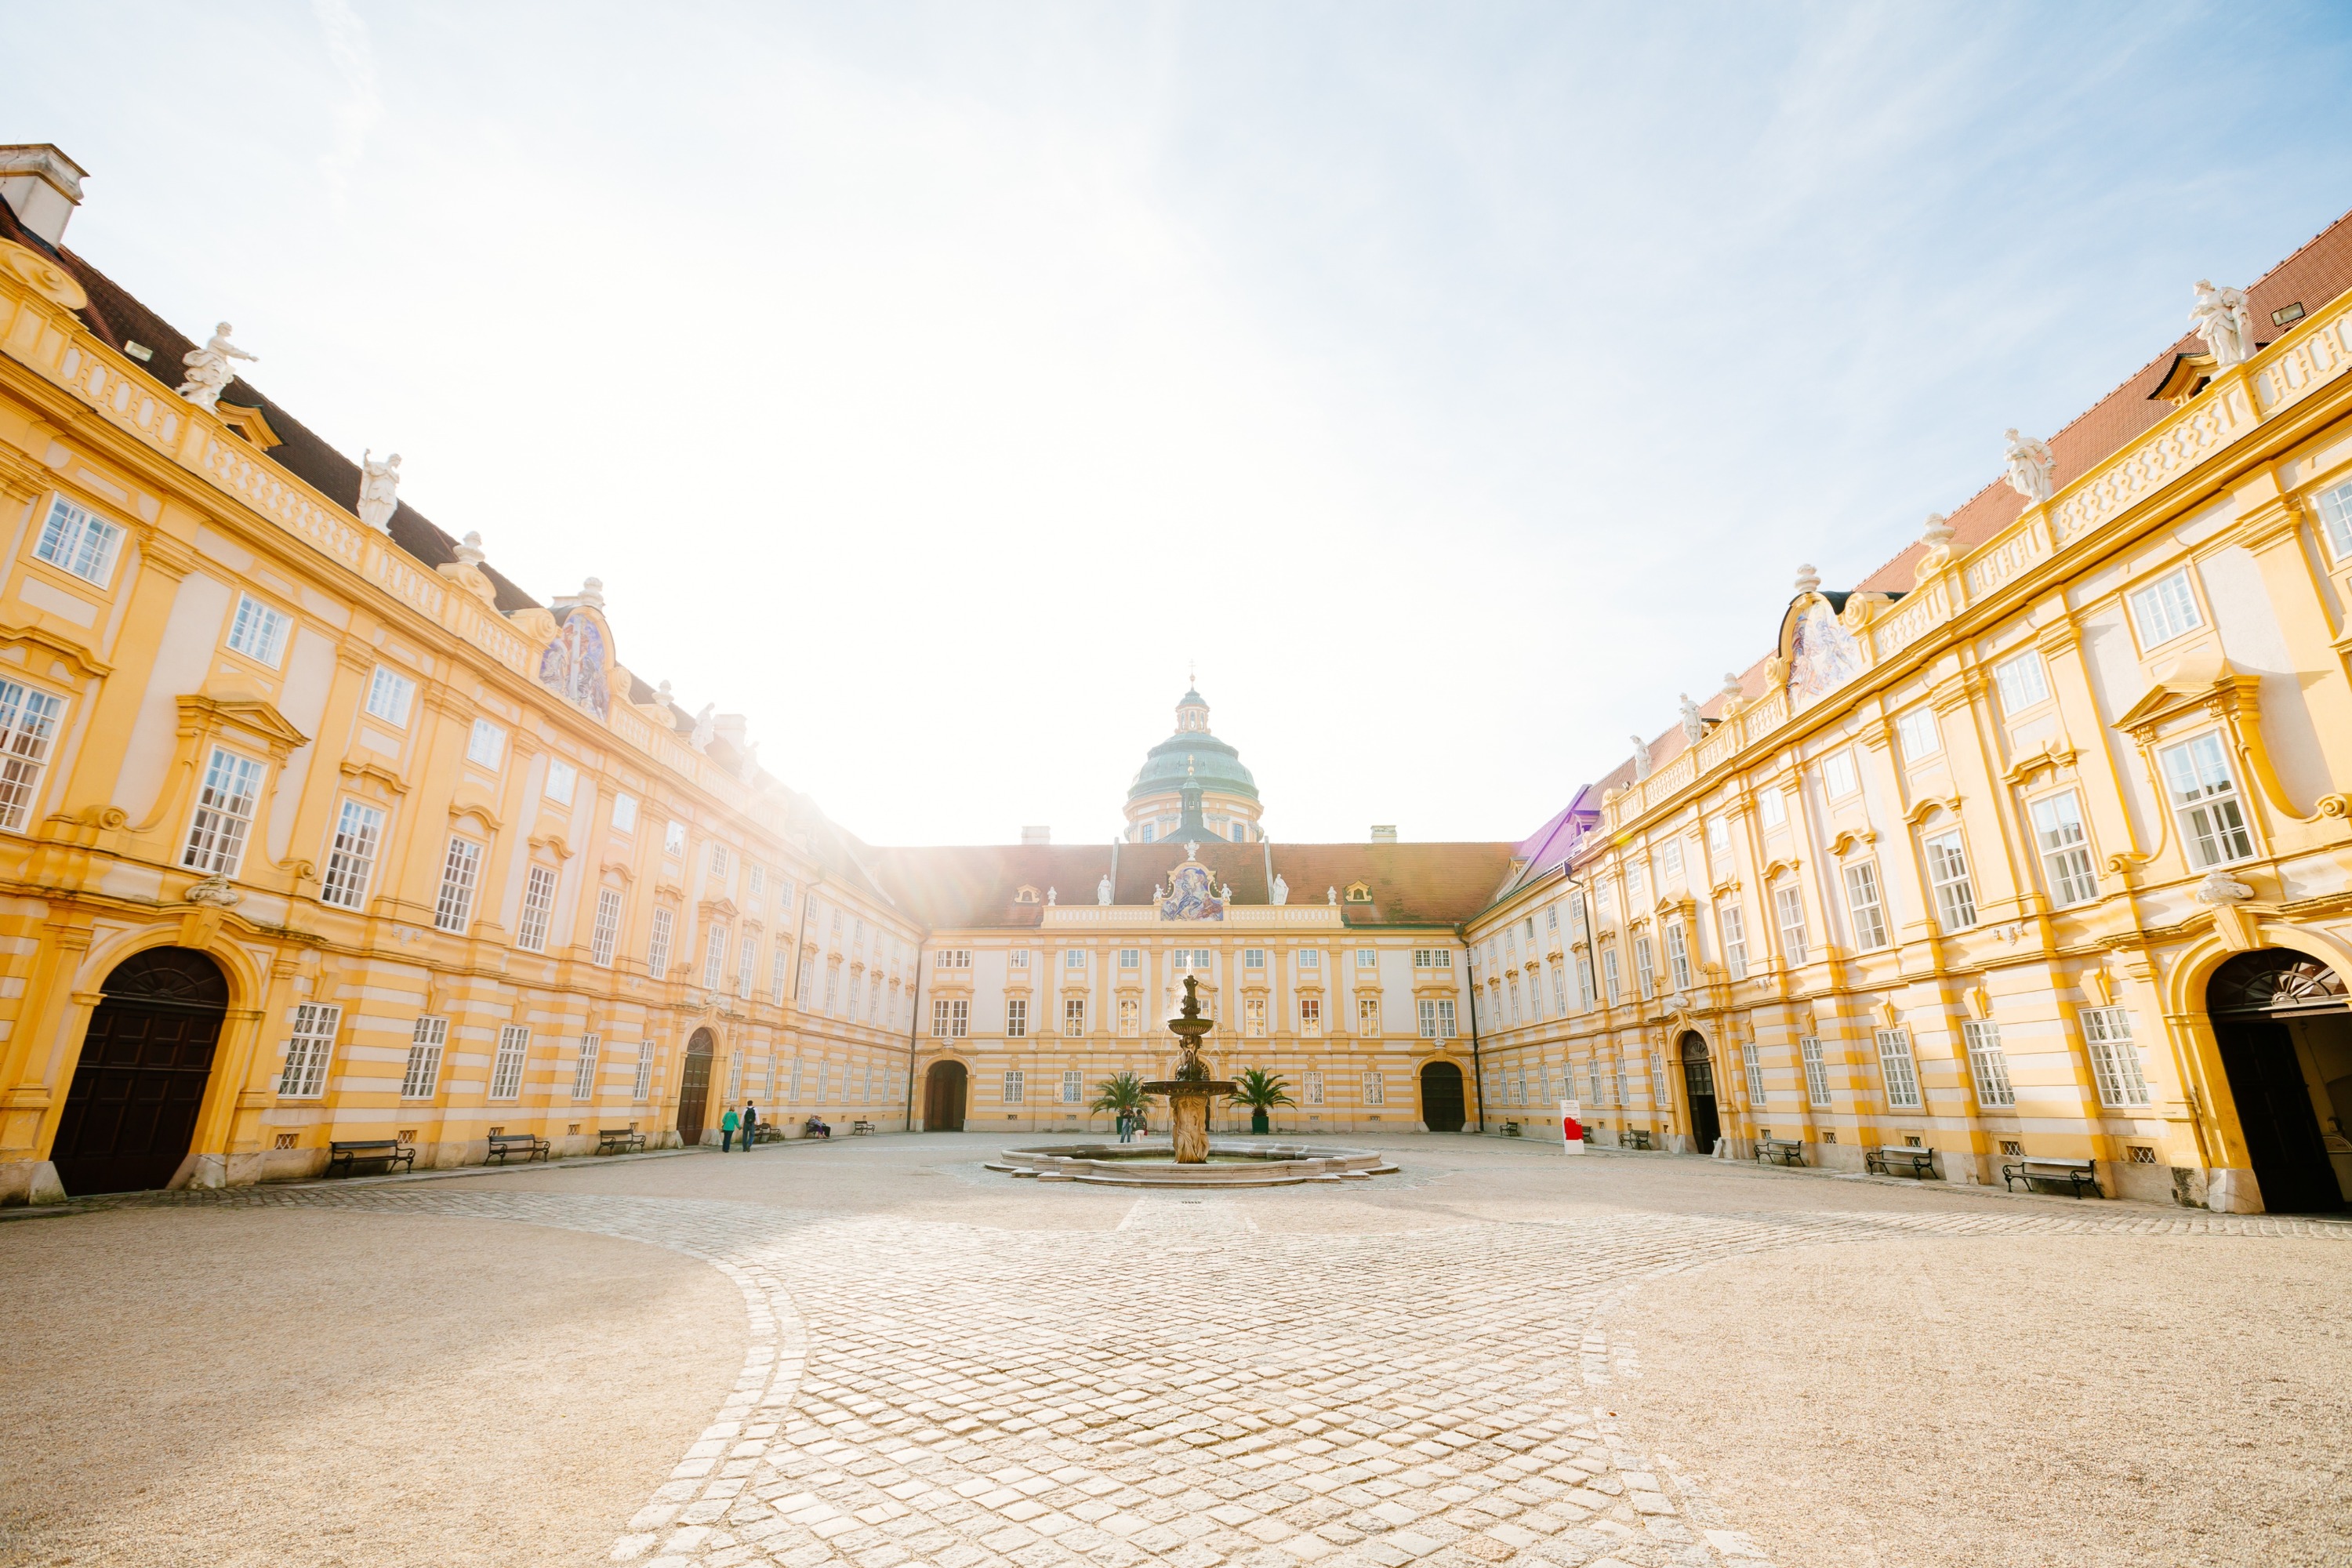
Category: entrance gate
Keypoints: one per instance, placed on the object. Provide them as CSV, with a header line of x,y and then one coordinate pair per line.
x,y
1698,1079
140,1080
943,1096
694,1088
1441,1098
2283,1024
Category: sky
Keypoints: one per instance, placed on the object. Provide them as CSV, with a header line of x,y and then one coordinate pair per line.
x,y
938,384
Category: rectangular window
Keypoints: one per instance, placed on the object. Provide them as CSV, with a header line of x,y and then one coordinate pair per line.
x,y
718,862
953,958
312,1042
624,814
1428,1020
1718,839
1645,968
1368,958
257,631
606,932
1016,1018
1074,1016
28,722
423,1075
1771,808
1625,1084
714,959
959,1018
1433,958
1368,1015
1678,964
776,965
1074,958
2165,609
1072,1086
1608,973
2335,512
1670,860
1313,1093
1862,902
1015,1085
506,1070
1310,1014
563,780
2021,682
674,839
1947,873
1375,1091
2205,800
1254,1015
1131,958
1583,980
224,814
486,746
584,1072
823,1081
2114,1059
1817,1072
643,1087
1020,958
832,985
351,861
1515,1001
1252,958
747,964
538,905
1838,777
1131,1017
80,542
1735,941
755,882
2065,850
1445,1030
1988,1069
657,950
1754,1063
389,695
1894,1063
1310,958
1917,731
1559,990
461,870
1789,904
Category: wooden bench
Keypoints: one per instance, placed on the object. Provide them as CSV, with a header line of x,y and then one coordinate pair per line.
x,y
2076,1173
530,1145
767,1132
384,1152
1919,1162
1635,1139
1780,1152
618,1140
860,1128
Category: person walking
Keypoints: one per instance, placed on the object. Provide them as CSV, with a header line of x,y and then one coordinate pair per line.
x,y
751,1125
726,1125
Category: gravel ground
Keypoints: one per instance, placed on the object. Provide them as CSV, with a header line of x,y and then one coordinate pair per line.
x,y
2065,1400
189,1387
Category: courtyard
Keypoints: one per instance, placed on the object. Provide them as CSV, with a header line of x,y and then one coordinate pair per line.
x,y
877,1353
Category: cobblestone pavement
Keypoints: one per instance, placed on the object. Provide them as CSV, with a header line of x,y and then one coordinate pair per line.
x,y
1187,1389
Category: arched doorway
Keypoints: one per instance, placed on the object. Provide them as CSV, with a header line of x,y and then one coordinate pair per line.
x,y
140,1080
1698,1082
944,1097
694,1088
1441,1098
2284,1023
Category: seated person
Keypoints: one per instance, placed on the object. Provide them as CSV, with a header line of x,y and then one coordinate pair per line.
x,y
816,1128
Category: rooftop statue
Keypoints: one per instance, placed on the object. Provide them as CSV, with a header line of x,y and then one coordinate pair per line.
x,y
379,489
2030,463
209,372
2221,318
1281,889
1694,727
1641,759
1102,890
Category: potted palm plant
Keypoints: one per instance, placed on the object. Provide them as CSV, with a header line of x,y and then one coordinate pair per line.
x,y
1261,1090
1121,1094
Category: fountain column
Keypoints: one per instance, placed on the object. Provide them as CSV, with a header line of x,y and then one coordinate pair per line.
x,y
1191,1091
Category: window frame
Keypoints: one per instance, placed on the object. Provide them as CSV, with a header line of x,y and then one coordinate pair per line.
x,y
1788,900
271,618
1874,909
1817,1072
1988,1064
1903,1091
494,733
604,932
310,1050
659,941
2183,810
1847,782
528,936
2153,636
339,887
2120,1078
1950,879
72,546
26,749
570,773
394,690
453,901
2024,659
428,1038
508,1065
1016,1017
2055,875
210,857
2334,506
1919,720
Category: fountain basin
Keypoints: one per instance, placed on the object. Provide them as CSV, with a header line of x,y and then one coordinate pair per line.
x,y
1151,1163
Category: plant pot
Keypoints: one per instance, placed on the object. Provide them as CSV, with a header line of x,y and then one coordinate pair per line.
x,y
1259,1124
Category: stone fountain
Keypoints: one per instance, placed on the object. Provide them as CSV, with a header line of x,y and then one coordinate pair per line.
x,y
1189,1092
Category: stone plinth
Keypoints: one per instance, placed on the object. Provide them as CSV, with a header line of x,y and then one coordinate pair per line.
x,y
1188,1115
1150,1163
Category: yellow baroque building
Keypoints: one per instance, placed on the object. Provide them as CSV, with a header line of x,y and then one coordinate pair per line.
x,y
2033,843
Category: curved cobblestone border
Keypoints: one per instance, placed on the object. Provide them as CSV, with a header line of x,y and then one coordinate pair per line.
x,y
1189,1390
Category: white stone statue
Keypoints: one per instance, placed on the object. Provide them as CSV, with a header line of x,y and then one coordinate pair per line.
x,y
1281,889
1050,897
1102,890
2030,463
1226,892
379,489
706,728
209,371
1331,895
1641,759
2220,317
1159,893
469,552
1694,727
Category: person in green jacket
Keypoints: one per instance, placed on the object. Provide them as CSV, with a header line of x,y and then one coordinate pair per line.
x,y
726,1125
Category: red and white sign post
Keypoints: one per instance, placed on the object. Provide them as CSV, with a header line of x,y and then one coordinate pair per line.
x,y
1571,1127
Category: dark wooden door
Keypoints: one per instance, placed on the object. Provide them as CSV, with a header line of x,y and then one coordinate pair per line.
x,y
1699,1078
694,1088
943,1093
1442,1108
2282,1137
140,1080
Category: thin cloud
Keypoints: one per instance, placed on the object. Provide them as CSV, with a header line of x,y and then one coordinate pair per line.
x,y
358,107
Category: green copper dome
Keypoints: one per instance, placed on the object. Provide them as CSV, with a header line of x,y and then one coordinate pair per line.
x,y
1192,753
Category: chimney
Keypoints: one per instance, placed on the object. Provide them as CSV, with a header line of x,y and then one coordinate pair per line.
x,y
42,187
1036,836
1384,833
